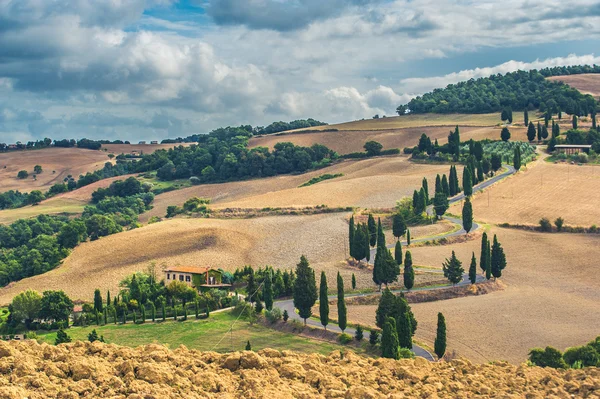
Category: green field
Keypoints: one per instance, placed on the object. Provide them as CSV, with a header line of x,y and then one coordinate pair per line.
x,y
200,334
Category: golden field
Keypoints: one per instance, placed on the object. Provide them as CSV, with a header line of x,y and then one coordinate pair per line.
x,y
587,83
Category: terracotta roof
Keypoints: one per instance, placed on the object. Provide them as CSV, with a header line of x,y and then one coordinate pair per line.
x,y
188,269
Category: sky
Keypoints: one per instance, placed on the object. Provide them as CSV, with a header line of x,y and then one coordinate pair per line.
x,y
152,69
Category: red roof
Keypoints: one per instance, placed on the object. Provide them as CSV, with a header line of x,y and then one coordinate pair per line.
x,y
188,269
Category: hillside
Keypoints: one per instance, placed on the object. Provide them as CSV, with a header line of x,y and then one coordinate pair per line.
x,y
101,370
587,83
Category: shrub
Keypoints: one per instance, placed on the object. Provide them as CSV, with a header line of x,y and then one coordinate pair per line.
x,y
559,223
286,316
273,315
587,355
359,333
22,174
345,339
549,357
582,157
406,353
373,337
545,225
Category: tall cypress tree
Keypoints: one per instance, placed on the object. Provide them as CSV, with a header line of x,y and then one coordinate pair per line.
x,y
467,182
451,187
387,302
409,272
446,188
372,230
398,226
380,234
351,230
526,117
379,267
473,270
456,184
398,253
341,304
353,281
517,158
539,131
323,301
305,289
251,288
407,237
482,258
530,132
467,215
416,203
389,340
575,121
97,301
426,189
498,259
488,261
404,330
367,251
422,200
438,184
439,345
268,290
108,302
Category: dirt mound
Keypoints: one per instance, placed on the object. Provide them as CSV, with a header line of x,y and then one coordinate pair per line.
x,y
32,370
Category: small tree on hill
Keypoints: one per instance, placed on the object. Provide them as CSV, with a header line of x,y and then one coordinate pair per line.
x,y
93,336
305,289
248,346
467,215
559,224
323,301
373,337
372,227
398,253
488,260
440,204
526,117
389,340
531,132
482,260
341,304
453,270
351,234
403,327
440,338
409,272
407,237
353,281
268,290
467,181
505,134
498,259
575,121
517,158
398,226
373,148
473,270
359,334
62,337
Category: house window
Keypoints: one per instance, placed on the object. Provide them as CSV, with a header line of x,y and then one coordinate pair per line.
x,y
188,279
168,276
181,277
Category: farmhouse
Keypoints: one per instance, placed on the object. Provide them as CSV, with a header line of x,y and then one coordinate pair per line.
x,y
572,148
154,142
201,278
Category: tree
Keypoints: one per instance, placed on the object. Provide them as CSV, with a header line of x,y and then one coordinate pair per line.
x,y
526,117
353,281
467,215
359,334
548,357
55,305
517,158
37,169
22,174
251,288
559,224
108,302
544,132
380,235
440,338
97,300
451,186
341,304
453,270
531,132
504,115
446,188
473,270
387,303
467,181
498,259
62,337
25,307
539,131
372,228
409,272
425,186
440,204
398,226
93,336
373,337
248,346
351,234
258,307
505,134
305,289
403,327
389,340
408,237
422,200
398,253
496,162
268,290
373,148
488,260
478,151
323,301
438,184
574,121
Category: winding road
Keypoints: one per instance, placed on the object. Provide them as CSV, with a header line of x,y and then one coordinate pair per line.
x,y
418,351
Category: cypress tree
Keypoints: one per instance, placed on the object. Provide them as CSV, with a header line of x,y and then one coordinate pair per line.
x,y
473,269
268,290
387,303
62,337
305,289
153,311
467,182
351,234
505,134
409,272
453,270
415,202
361,242
341,304
372,230
353,281
398,253
482,257
488,261
134,317
446,188
323,301
108,303
380,234
426,189
480,171
574,121
467,215
526,117
389,340
407,238
451,188
144,314
248,346
251,288
517,158
594,126
359,333
404,330
539,131
438,184
398,226
544,132
105,312
456,184
164,311
422,200
378,268
440,338
531,132
440,204
498,259
367,246
258,307
98,300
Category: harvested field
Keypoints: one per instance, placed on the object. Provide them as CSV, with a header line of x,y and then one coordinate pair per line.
x,y
376,182
104,370
347,141
551,298
544,190
278,241
587,83
64,161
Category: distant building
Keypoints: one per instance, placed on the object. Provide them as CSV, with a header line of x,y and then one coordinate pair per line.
x,y
12,146
572,148
142,142
201,278
154,142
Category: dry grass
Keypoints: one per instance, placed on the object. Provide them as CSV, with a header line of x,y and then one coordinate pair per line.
x,y
587,83
551,298
369,183
544,190
65,161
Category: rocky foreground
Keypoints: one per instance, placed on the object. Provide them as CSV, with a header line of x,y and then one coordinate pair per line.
x,y
83,369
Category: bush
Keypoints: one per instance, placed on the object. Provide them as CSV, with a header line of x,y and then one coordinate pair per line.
x,y
273,315
549,357
545,225
559,223
22,174
286,316
373,337
406,353
359,333
345,339
582,157
587,355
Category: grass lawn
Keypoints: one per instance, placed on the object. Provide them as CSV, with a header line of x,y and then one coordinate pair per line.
x,y
200,334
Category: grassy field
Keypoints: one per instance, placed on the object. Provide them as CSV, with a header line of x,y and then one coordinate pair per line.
x,y
587,83
53,206
63,161
211,334
543,190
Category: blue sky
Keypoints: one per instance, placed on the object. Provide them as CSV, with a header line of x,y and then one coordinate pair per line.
x,y
151,69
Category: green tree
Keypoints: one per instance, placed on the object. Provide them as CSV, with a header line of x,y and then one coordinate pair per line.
x,y
505,134
93,336
440,204
56,305
574,121
268,290
398,226
403,327
526,117
531,132
398,253
341,304
446,188
548,357
453,182
252,287
407,237
544,132
440,338
498,259
372,228
323,301
467,181
359,334
108,302
517,158
25,307
353,281
72,233
488,259
373,337
98,300
539,131
453,270
373,148
248,346
438,184
62,337
380,234
467,215
409,272
389,340
37,169
482,257
387,303
305,289
473,269
22,174
351,234
425,187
